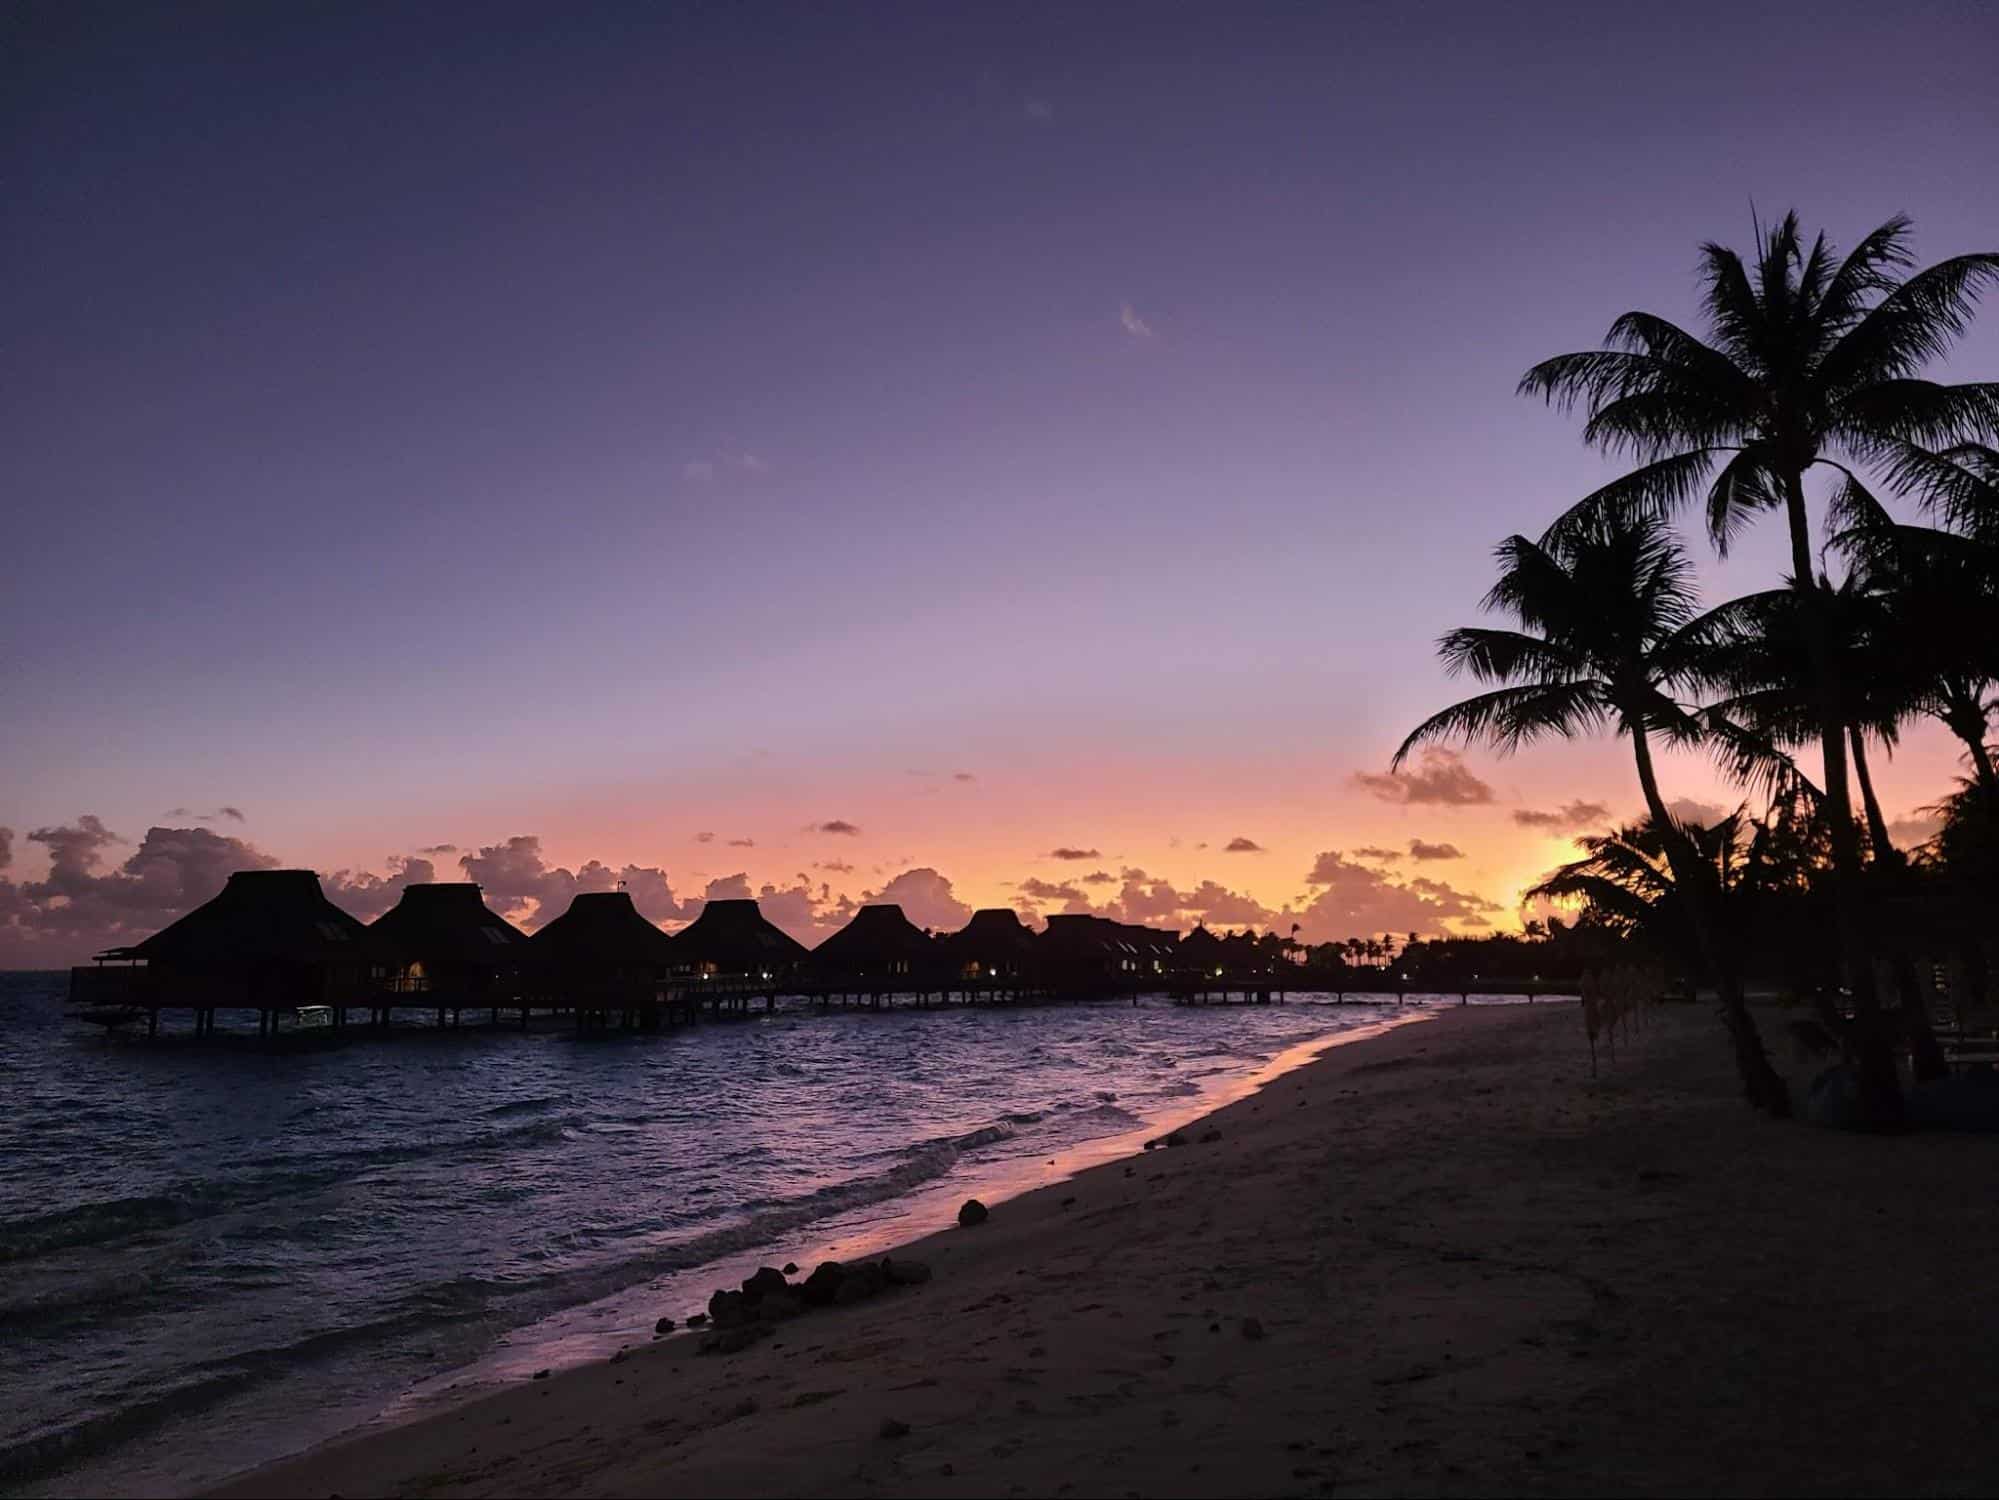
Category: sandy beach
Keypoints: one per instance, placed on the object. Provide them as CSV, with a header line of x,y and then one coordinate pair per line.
x,y
1438,1261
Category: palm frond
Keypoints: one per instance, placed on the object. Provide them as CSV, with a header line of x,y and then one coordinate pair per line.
x,y
1745,485
1866,273
1911,325
1511,717
1505,656
1654,491
1919,412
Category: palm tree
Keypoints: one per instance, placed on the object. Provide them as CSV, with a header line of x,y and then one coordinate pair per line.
x,y
1811,361
1937,593
1608,625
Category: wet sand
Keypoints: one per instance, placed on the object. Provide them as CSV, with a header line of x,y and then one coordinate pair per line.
x,y
1438,1261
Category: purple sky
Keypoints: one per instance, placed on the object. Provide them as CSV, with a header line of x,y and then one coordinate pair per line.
x,y
612,423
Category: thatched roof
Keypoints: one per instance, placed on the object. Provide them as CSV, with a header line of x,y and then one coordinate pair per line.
x,y
602,928
995,935
446,922
1074,935
261,917
877,935
735,938
1200,946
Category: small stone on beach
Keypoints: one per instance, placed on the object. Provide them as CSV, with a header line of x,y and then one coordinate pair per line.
x,y
974,1212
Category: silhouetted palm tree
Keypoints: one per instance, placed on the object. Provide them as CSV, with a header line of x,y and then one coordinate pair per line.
x,y
1608,625
1937,594
1811,360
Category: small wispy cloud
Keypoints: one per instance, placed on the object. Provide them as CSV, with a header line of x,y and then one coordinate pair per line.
x,y
1423,849
835,825
963,776
742,843
1241,845
1037,109
704,838
1134,325
1070,852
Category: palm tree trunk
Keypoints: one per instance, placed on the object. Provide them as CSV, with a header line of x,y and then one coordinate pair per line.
x,y
1877,825
1965,716
1760,1083
1892,871
1880,1090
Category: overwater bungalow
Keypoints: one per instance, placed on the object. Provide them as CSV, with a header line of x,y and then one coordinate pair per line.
x,y
447,942
879,951
1201,952
1156,948
603,958
1080,952
733,940
270,942
994,949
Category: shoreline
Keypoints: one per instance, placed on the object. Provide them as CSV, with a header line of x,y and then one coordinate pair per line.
x,y
1442,1260
565,1354
931,1202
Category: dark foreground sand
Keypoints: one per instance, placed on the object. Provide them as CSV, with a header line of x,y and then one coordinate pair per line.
x,y
1475,1272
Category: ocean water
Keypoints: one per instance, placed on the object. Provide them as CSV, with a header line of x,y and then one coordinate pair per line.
x,y
216,1253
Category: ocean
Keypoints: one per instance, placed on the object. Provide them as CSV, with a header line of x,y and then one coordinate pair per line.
x,y
215,1253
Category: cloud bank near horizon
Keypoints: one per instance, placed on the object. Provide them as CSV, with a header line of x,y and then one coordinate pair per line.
x,y
86,903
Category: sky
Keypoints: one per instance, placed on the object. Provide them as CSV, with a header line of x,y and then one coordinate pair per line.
x,y
834,453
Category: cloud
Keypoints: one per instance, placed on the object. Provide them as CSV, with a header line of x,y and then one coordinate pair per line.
x,y
834,866
1155,901
963,776
367,895
704,838
1047,890
1442,779
1241,845
1687,810
742,843
1037,109
734,887
6,847
1418,849
807,912
835,825
697,470
234,814
1066,852
1917,828
519,884
436,849
1570,817
80,908
926,898
1352,900
1133,324
1380,856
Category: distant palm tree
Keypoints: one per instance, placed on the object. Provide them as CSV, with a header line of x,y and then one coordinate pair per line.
x,y
1608,626
1937,593
1811,360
